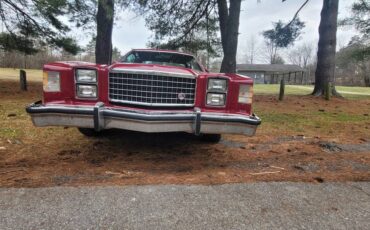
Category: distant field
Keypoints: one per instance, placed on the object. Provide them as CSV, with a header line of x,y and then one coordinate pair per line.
x,y
346,91
13,74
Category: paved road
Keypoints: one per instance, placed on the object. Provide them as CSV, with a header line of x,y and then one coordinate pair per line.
x,y
238,206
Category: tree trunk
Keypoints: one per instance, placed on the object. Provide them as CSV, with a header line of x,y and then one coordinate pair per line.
x,y
104,23
325,70
367,80
365,73
229,26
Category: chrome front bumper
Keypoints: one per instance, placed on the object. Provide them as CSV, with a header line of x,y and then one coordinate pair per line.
x,y
100,117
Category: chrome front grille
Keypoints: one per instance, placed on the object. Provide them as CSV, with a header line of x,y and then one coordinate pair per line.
x,y
151,89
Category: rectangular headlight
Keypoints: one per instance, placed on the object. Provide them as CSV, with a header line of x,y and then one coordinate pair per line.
x,y
215,84
51,81
215,99
86,75
87,91
245,94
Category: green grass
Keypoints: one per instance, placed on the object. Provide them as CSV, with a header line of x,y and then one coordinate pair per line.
x,y
13,74
310,121
274,89
347,91
341,117
8,133
354,89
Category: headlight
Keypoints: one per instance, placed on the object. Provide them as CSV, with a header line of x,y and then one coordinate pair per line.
x,y
215,99
245,94
51,81
215,84
86,91
86,75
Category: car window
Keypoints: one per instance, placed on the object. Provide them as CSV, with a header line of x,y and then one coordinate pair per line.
x,y
131,58
162,58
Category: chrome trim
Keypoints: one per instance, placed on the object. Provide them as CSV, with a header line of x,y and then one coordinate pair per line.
x,y
87,98
101,117
151,104
219,92
197,121
215,106
152,72
162,51
86,83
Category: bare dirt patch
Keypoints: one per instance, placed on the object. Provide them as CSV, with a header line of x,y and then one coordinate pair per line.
x,y
301,139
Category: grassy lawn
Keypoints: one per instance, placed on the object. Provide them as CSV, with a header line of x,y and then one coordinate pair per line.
x,y
274,89
354,89
347,91
13,74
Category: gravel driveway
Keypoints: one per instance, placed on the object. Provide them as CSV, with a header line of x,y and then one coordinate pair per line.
x,y
235,206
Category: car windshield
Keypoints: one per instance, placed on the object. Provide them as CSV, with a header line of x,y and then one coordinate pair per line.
x,y
162,58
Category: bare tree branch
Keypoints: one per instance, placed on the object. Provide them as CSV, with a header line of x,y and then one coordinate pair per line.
x,y
296,14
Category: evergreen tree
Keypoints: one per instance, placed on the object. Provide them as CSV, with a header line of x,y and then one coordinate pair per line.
x,y
31,24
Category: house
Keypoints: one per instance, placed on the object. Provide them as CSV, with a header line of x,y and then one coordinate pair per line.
x,y
272,73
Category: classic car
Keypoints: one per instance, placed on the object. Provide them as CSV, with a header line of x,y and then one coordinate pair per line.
x,y
148,91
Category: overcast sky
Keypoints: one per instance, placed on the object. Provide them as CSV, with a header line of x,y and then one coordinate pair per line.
x,y
130,31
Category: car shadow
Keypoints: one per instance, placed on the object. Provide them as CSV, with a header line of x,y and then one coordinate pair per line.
x,y
133,138
128,146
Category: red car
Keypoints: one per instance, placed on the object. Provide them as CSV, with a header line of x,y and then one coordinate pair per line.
x,y
148,91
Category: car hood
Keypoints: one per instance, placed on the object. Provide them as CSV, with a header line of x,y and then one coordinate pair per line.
x,y
152,69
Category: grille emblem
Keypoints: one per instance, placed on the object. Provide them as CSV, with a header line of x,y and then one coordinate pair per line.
x,y
181,96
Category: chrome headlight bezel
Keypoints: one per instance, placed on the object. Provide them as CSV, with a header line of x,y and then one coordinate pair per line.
x,y
217,85
220,91
86,76
220,96
81,87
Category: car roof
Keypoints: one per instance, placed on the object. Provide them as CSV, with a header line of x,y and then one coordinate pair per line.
x,y
164,51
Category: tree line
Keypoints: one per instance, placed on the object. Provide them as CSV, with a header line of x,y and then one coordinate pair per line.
x,y
185,25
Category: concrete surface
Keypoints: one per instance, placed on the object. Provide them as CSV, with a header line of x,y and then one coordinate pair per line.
x,y
235,206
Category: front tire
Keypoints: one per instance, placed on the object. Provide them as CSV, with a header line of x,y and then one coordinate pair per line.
x,y
89,132
211,138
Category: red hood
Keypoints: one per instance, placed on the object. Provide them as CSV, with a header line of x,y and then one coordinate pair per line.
x,y
153,68
72,64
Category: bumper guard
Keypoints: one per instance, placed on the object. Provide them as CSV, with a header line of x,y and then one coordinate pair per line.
x,y
100,117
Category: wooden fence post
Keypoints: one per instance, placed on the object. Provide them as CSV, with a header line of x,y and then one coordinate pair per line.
x,y
302,78
282,89
23,80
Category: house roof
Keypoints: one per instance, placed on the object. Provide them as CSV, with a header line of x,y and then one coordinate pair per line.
x,y
276,68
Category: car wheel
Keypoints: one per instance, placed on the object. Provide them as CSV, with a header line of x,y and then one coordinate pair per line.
x,y
211,138
89,132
